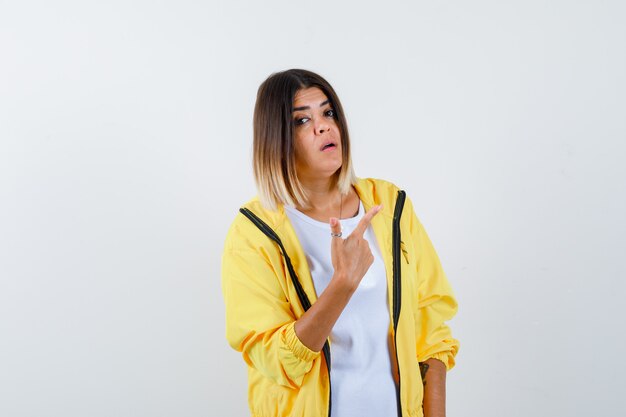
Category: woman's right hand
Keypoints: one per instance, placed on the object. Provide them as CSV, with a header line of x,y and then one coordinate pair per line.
x,y
352,257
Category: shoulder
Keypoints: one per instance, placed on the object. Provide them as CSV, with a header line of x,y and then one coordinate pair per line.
x,y
243,234
374,191
377,191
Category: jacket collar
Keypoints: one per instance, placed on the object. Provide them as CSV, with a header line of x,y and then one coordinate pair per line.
x,y
365,189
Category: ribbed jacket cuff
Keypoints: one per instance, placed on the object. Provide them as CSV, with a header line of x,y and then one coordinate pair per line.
x,y
294,344
446,357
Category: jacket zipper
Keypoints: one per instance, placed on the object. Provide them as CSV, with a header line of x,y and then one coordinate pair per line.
x,y
397,284
304,299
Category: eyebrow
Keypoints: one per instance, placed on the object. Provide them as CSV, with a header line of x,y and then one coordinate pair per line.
x,y
322,104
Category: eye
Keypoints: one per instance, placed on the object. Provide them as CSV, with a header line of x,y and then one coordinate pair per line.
x,y
300,120
330,113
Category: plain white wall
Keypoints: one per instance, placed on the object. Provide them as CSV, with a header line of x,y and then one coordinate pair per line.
x,y
125,153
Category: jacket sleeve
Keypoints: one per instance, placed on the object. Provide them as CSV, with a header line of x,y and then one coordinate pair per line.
x,y
436,301
259,320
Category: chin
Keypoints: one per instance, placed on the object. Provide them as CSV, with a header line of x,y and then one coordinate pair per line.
x,y
332,170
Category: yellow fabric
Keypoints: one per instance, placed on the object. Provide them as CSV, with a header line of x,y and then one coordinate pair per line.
x,y
285,377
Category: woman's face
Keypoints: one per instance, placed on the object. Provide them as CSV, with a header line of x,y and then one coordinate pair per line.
x,y
317,137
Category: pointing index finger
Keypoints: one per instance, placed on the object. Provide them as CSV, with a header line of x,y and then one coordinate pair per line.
x,y
360,229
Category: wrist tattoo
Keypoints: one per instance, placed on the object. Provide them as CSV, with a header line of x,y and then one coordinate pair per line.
x,y
423,370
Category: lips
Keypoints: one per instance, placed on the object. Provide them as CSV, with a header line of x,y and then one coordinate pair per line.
x,y
328,145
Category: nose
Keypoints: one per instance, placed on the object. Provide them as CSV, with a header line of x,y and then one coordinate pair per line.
x,y
321,126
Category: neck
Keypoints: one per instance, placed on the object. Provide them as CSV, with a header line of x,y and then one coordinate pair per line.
x,y
323,193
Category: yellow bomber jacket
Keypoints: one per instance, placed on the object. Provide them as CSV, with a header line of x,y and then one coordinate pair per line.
x,y
263,301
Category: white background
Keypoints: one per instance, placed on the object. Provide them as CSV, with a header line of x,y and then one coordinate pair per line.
x,y
126,132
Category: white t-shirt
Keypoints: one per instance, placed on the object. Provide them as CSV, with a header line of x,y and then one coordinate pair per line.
x,y
362,384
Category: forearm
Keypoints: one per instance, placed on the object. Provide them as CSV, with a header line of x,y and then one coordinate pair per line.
x,y
315,325
434,379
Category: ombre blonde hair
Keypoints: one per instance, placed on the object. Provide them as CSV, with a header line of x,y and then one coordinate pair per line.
x,y
274,159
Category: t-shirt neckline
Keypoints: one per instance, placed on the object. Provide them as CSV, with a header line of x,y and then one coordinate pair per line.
x,y
350,221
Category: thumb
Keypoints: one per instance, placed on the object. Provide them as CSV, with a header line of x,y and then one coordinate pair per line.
x,y
335,226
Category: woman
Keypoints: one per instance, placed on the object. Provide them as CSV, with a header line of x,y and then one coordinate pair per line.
x,y
334,294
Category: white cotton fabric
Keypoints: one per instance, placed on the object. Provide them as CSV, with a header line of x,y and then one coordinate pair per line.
x,y
362,384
